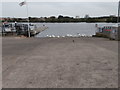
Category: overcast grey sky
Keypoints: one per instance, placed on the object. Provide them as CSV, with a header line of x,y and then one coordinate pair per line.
x,y
41,9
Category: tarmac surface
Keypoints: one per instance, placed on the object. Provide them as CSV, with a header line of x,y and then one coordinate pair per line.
x,y
59,63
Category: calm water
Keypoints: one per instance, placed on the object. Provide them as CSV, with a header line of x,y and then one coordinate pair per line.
x,y
69,29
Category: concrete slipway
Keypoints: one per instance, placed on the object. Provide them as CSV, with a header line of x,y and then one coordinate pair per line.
x,y
59,63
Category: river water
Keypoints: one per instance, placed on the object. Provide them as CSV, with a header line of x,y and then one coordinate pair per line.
x,y
69,29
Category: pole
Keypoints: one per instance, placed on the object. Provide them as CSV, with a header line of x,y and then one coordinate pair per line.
x,y
28,19
118,20
118,12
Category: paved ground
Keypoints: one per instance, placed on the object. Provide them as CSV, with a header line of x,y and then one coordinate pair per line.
x,y
0,62
59,63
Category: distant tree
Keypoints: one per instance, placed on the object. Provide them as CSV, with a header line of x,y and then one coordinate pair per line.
x,y
60,17
52,17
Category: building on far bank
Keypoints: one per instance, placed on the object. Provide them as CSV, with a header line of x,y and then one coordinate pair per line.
x,y
77,17
86,16
2,19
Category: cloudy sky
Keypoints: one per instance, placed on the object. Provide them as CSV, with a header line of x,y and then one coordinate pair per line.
x,y
41,9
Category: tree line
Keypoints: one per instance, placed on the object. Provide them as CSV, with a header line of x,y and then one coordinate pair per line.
x,y
64,19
